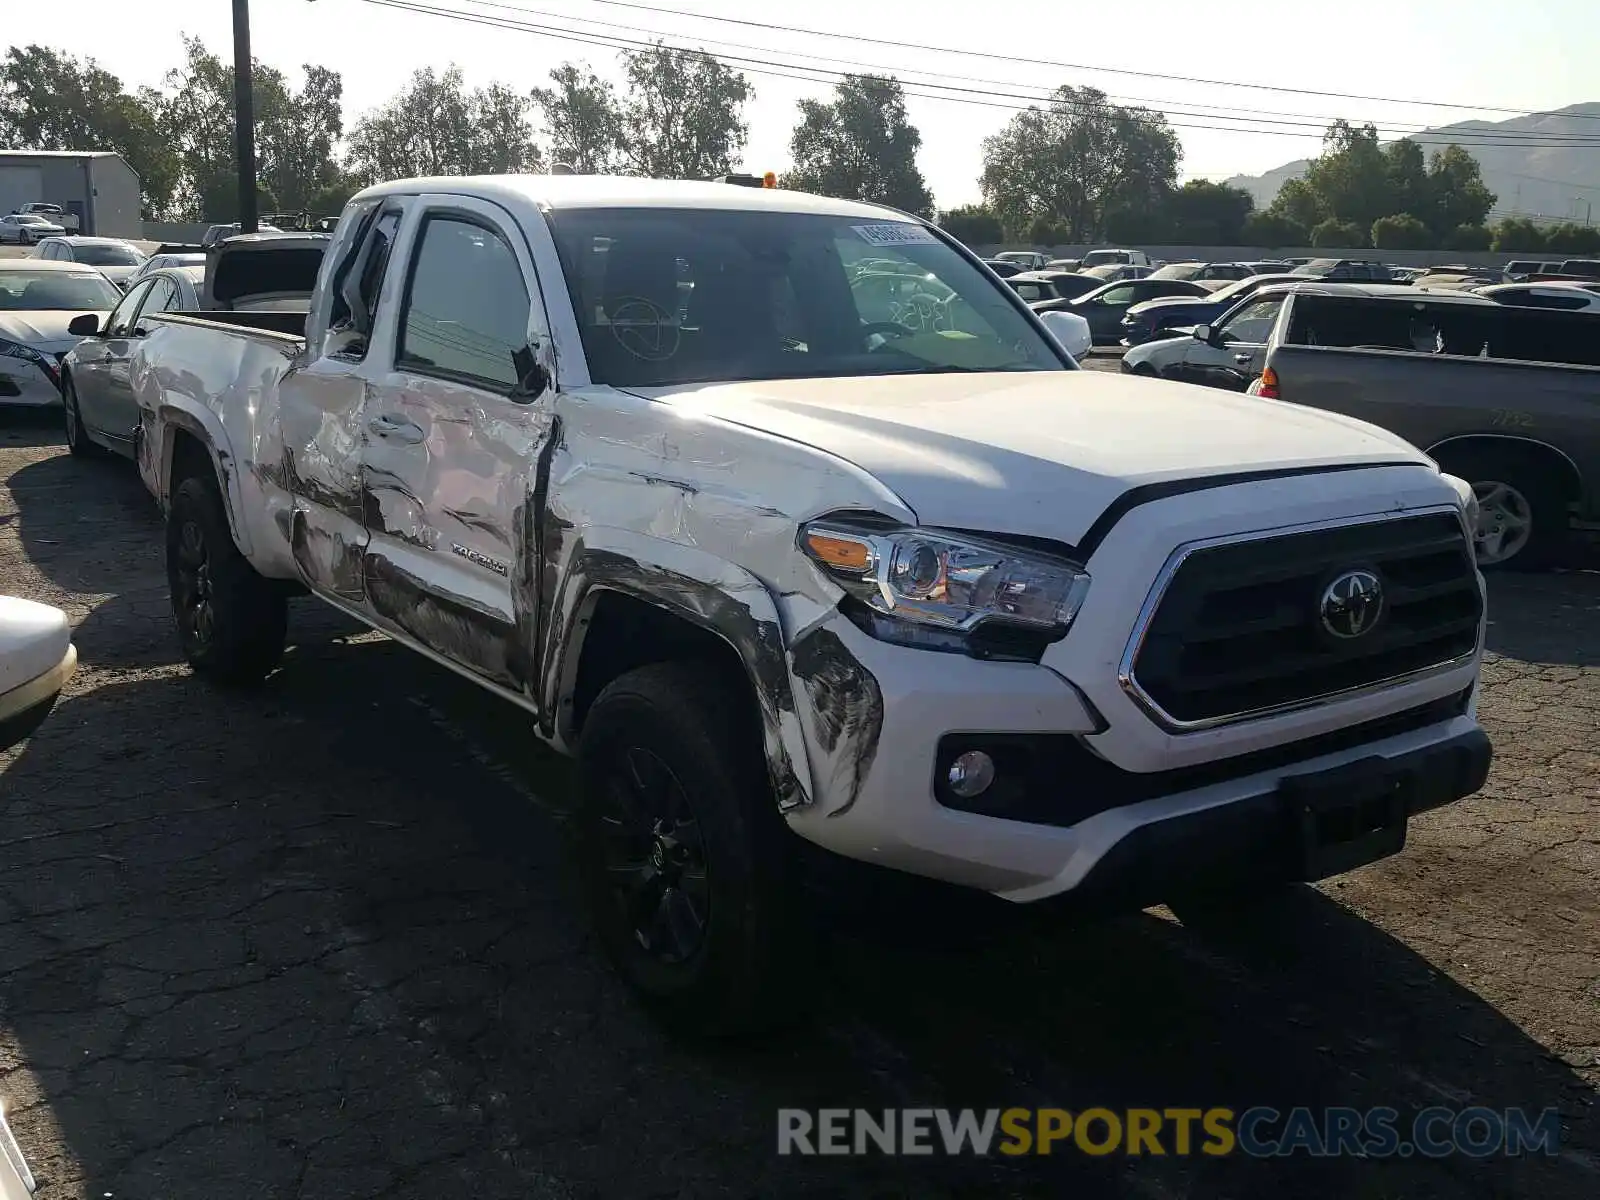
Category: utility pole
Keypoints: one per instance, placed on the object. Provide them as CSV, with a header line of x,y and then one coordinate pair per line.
x,y
244,117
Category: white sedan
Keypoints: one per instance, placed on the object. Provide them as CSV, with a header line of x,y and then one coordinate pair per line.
x,y
38,300
24,229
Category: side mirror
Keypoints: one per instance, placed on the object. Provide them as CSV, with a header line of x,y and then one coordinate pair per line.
x,y
1202,333
1070,331
84,325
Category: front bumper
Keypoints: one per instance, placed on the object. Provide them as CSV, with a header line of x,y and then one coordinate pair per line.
x,y
24,708
1146,844
24,384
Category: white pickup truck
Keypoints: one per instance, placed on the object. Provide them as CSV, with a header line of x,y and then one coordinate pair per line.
x,y
777,564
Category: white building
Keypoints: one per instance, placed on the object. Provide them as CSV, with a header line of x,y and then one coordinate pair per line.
x,y
96,185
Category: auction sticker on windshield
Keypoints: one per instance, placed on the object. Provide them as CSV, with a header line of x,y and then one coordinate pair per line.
x,y
898,234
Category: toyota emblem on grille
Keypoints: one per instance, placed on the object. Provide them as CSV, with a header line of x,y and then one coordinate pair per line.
x,y
1352,604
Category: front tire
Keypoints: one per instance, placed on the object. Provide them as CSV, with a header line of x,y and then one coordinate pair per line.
x,y
232,623
78,441
1523,523
684,859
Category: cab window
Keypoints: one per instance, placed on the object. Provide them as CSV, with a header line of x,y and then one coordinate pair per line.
x,y
465,312
1252,323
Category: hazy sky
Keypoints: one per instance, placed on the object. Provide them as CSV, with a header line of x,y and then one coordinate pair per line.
x,y
1536,54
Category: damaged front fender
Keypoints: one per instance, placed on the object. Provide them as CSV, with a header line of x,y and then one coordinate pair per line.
x,y
715,595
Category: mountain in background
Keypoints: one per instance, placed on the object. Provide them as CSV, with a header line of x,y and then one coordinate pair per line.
x,y
1560,182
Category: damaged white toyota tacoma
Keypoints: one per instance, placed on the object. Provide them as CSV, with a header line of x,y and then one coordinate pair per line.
x,y
794,525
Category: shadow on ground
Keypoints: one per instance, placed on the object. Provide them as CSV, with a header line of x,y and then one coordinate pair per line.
x,y
318,937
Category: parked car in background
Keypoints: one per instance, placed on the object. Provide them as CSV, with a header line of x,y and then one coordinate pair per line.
x,y
24,229
1343,270
37,658
1573,297
1403,274
1003,267
1117,272
1297,262
1459,276
38,302
1499,395
1052,285
1064,264
1112,258
1028,260
216,233
1521,268
262,280
1166,315
1223,354
54,213
1104,307
114,258
1270,266
1201,271
160,261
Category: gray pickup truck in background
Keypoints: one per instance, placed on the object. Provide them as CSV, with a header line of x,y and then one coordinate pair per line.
x,y
1507,398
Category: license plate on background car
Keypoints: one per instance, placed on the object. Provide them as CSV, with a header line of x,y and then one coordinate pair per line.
x,y
1347,817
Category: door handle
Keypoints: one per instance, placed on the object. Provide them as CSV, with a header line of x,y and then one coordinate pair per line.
x,y
396,428
1242,359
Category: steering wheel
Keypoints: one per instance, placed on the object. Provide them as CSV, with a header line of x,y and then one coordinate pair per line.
x,y
892,329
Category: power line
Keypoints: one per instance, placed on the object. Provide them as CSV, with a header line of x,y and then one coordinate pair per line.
x,y
1012,58
1169,107
974,96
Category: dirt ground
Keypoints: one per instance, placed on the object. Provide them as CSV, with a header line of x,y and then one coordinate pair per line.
x,y
319,941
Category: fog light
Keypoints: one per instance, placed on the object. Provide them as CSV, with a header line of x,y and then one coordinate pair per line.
x,y
970,774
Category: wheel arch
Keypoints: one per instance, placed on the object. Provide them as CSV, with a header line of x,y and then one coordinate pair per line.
x,y
189,440
654,602
1572,480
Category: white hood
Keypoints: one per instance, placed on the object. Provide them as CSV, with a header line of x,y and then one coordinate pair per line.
x,y
43,330
1037,453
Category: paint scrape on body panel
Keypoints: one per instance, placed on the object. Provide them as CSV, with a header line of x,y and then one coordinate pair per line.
x,y
846,712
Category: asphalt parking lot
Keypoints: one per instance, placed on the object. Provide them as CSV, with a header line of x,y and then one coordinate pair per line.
x,y
319,941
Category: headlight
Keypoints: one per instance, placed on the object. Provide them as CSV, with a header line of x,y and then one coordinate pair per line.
x,y
28,354
921,587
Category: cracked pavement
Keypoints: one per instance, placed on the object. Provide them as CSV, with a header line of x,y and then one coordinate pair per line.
x,y
319,941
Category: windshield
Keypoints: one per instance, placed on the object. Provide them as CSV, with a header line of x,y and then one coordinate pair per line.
x,y
68,291
30,219
107,256
666,296
1241,288
1178,271
1096,258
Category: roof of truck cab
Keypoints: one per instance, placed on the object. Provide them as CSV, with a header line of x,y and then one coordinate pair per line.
x,y
626,191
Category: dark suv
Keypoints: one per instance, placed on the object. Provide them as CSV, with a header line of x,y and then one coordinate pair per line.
x,y
1350,270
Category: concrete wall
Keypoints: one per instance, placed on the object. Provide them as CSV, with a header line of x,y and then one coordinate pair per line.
x,y
174,231
114,198
1400,258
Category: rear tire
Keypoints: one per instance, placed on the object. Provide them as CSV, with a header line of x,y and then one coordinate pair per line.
x,y
1524,525
232,622
685,861
78,441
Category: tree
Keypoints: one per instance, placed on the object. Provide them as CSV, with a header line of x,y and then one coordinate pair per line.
x,y
1042,231
1202,213
582,119
296,133
860,146
1468,237
436,126
1272,229
1456,192
1355,179
51,101
1075,160
972,225
1572,239
1518,235
1404,232
1339,235
682,113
